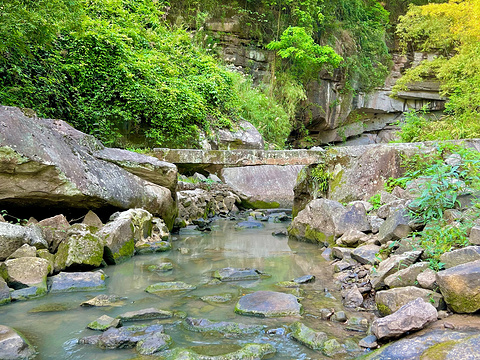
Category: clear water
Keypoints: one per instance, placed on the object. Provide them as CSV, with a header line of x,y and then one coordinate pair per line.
x,y
55,334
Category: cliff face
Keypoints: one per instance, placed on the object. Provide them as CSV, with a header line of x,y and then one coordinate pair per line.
x,y
335,115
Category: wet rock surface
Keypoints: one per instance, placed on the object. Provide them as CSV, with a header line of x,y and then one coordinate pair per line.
x,y
14,346
76,281
268,304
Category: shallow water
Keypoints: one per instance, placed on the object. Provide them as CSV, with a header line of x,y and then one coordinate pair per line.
x,y
55,334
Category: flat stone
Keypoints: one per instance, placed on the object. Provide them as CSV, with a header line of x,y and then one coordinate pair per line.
x,y
152,344
24,251
165,287
236,274
217,299
104,300
307,336
145,314
341,252
268,304
249,225
351,238
368,342
395,227
427,279
460,286
415,315
77,281
391,265
406,277
389,301
366,254
14,346
304,279
460,256
222,327
148,247
104,323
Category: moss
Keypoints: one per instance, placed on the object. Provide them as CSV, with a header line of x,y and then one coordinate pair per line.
x,y
319,237
307,336
438,351
336,181
126,251
5,301
7,154
461,303
259,204
383,309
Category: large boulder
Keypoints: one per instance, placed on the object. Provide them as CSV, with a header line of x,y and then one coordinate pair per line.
x,y
323,220
395,227
54,230
246,136
82,250
460,256
27,272
263,186
14,346
13,236
121,234
76,281
413,316
393,264
407,276
46,163
389,301
460,286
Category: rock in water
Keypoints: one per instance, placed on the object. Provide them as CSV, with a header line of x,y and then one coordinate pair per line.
x,y
413,316
14,346
308,337
77,281
235,274
268,304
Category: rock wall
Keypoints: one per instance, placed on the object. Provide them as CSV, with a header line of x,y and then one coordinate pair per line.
x,y
336,115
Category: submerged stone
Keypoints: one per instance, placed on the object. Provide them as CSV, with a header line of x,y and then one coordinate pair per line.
x,y
247,352
268,304
308,337
236,274
77,281
249,225
153,344
145,314
222,327
52,307
220,298
163,287
152,247
304,279
105,300
162,267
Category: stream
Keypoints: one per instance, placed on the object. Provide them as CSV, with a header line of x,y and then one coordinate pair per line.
x,y
195,256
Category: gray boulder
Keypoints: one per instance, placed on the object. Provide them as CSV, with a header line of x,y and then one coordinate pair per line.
x,y
145,167
460,256
54,230
14,346
389,301
104,323
393,264
415,315
121,234
82,250
407,276
460,286
308,337
24,251
104,300
77,281
268,304
395,227
366,254
27,272
427,279
322,221
245,137
13,236
59,169
351,238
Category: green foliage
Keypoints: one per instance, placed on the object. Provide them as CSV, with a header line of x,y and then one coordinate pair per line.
x,y
375,201
321,177
263,110
123,73
305,57
452,30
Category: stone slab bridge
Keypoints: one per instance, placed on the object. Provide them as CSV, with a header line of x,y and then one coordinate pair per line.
x,y
214,160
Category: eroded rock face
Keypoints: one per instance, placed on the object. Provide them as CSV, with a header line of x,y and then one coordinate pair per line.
x,y
415,315
14,346
60,169
460,286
